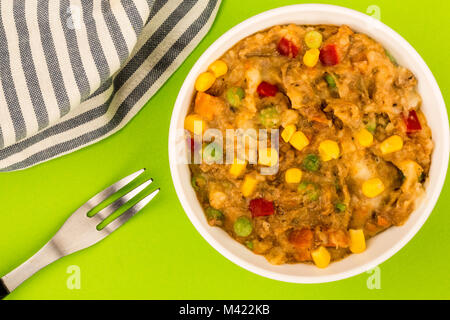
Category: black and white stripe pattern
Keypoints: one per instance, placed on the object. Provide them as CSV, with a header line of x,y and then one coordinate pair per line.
x,y
74,72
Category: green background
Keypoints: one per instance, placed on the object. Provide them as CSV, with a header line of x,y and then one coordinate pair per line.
x,y
159,254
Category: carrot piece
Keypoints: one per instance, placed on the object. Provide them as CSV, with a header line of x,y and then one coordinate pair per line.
x,y
301,239
207,105
382,221
321,119
370,228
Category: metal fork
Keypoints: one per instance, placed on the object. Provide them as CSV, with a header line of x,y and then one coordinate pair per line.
x,y
80,231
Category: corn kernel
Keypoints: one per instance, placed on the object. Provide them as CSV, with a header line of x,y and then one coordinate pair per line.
x,y
195,124
313,39
288,132
237,168
293,175
364,137
328,150
372,187
268,157
357,240
321,257
204,81
311,57
218,68
299,140
391,144
248,186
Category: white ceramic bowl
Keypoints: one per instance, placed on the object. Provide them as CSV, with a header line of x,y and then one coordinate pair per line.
x,y
379,248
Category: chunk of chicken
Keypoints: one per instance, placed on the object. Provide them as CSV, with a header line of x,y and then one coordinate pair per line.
x,y
298,86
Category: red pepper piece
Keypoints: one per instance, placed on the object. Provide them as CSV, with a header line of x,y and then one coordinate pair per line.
x,y
412,122
266,89
328,55
287,48
261,207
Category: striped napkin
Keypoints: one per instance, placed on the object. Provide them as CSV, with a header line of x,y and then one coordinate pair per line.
x,y
75,71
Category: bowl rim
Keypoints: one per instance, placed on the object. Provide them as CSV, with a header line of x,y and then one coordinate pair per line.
x,y
203,230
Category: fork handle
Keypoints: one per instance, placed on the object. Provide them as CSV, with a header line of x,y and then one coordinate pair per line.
x,y
3,290
46,255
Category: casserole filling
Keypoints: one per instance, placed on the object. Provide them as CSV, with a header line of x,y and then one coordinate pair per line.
x,y
353,152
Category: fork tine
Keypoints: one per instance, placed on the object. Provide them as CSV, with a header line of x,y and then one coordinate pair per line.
x,y
103,195
127,215
105,212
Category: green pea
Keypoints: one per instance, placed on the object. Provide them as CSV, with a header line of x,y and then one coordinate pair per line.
x,y
249,244
234,96
197,182
213,153
311,162
330,80
313,195
311,190
269,117
371,127
302,186
243,226
214,214
340,207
